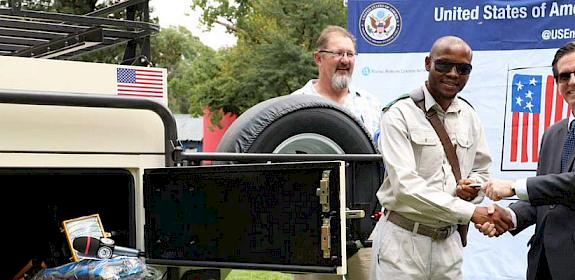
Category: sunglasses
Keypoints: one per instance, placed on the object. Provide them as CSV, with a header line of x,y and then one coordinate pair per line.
x,y
444,66
564,77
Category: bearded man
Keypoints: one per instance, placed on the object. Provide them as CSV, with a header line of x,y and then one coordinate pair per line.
x,y
335,58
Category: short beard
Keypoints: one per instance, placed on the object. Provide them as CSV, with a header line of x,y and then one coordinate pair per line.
x,y
340,81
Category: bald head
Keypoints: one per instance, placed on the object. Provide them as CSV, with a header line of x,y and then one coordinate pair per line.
x,y
449,42
449,66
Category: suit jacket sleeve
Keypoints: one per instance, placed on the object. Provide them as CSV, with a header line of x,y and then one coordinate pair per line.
x,y
526,215
552,189
544,190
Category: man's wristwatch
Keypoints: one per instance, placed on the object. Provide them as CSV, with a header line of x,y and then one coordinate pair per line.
x,y
513,189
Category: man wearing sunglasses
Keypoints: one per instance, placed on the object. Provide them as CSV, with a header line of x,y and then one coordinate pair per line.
x,y
548,199
335,58
418,237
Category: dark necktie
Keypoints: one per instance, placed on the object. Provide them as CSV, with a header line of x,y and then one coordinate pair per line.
x,y
568,149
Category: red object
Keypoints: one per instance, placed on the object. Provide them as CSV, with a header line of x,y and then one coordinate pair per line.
x,y
88,245
377,215
214,133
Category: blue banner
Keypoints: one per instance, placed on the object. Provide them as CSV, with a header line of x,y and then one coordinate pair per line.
x,y
511,86
400,26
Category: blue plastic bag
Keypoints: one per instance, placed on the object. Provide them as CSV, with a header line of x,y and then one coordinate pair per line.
x,y
114,268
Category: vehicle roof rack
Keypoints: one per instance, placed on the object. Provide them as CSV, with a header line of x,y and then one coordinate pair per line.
x,y
28,33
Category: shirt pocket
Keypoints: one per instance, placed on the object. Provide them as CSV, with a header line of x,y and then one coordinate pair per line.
x,y
464,154
428,152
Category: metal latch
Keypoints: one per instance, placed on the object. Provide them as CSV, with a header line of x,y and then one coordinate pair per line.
x,y
354,214
323,191
326,238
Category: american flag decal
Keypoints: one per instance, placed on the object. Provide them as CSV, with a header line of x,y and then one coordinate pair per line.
x,y
533,104
140,82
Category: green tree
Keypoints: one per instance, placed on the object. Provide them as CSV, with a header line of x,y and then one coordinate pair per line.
x,y
35,5
177,49
193,77
77,7
274,52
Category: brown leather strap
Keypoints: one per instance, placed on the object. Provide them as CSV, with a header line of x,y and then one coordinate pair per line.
x,y
431,115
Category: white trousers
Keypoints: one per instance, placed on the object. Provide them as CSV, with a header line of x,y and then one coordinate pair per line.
x,y
402,254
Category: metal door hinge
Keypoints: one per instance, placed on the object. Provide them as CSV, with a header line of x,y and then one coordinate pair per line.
x,y
326,238
323,191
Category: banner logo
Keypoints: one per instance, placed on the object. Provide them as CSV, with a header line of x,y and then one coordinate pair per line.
x,y
533,104
365,71
380,24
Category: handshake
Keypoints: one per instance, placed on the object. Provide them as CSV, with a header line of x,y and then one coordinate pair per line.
x,y
492,220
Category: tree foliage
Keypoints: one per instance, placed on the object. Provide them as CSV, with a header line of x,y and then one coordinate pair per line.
x,y
76,7
177,49
273,55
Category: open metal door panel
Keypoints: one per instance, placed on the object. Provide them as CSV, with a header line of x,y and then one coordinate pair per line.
x,y
280,216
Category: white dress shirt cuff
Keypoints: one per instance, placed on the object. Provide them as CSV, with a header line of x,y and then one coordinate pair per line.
x,y
513,217
521,189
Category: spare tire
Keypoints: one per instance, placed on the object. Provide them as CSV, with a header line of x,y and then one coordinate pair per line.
x,y
312,125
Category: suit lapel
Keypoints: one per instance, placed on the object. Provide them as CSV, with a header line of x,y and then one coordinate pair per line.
x,y
550,160
564,132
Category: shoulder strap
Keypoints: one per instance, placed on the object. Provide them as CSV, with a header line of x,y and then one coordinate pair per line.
x,y
386,107
465,100
431,115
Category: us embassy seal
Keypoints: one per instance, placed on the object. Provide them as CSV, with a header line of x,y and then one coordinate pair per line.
x,y
380,23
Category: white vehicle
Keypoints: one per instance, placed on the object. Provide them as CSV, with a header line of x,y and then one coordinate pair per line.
x,y
68,155
85,138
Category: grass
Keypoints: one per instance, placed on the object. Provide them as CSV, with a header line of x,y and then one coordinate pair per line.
x,y
257,275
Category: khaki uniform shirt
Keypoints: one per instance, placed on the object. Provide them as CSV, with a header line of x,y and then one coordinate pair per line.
x,y
419,183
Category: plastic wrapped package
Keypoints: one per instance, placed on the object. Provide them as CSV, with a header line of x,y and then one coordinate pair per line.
x,y
115,268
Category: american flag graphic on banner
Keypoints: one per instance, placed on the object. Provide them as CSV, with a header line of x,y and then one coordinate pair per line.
x,y
140,82
533,104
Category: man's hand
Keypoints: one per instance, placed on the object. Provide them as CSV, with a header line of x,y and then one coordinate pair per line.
x,y
498,189
487,228
465,191
492,221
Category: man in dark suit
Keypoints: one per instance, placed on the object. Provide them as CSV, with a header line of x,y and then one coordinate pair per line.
x,y
548,200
